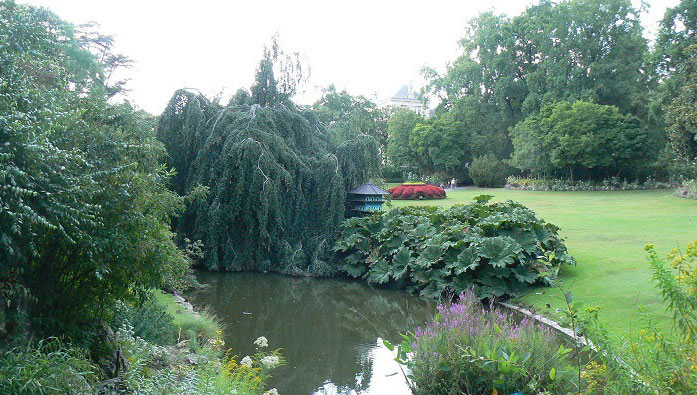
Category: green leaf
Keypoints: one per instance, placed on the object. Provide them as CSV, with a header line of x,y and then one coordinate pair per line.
x,y
387,344
380,272
501,251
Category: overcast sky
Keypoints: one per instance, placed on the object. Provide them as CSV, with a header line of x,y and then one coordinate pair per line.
x,y
366,47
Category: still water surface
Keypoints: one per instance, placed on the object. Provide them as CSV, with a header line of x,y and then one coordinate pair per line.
x,y
329,329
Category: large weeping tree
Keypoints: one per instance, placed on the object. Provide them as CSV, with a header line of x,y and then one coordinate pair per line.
x,y
277,181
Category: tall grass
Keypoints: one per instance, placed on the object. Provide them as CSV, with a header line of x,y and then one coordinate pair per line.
x,y
202,325
46,367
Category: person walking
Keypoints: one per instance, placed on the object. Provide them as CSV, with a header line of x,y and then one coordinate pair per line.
x,y
453,183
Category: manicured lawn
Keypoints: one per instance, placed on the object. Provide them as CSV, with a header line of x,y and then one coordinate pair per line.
x,y
606,233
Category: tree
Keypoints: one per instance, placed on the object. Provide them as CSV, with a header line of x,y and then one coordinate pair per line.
x,y
590,50
681,117
347,117
676,35
441,145
399,128
277,177
85,211
582,141
276,63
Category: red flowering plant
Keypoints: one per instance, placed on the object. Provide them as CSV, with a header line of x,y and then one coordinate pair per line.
x,y
416,191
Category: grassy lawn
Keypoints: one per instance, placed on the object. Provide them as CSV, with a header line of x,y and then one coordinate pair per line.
x,y
606,233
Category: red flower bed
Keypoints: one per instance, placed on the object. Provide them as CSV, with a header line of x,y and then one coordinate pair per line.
x,y
416,192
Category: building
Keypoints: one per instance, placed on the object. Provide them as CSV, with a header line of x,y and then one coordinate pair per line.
x,y
406,97
367,198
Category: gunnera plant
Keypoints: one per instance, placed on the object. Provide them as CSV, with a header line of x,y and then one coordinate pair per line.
x,y
436,251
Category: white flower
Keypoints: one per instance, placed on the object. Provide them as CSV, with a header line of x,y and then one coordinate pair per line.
x,y
272,391
246,361
261,342
270,361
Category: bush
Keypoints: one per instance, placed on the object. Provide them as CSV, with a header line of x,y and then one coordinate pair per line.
x,y
610,184
48,367
161,370
487,171
434,251
467,349
416,191
150,321
688,189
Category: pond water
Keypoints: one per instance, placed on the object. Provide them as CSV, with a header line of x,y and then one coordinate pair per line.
x,y
329,329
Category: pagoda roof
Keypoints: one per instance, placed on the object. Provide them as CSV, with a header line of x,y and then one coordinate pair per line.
x,y
369,189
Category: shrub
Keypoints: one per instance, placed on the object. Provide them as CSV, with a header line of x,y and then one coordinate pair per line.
x,y
436,251
487,171
150,321
468,349
161,370
48,367
416,191
688,189
610,184
668,362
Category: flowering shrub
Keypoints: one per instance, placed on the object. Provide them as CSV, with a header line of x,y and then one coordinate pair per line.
x,y
416,191
436,250
468,349
175,370
611,184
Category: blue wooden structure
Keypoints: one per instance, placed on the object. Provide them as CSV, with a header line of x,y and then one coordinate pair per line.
x,y
367,198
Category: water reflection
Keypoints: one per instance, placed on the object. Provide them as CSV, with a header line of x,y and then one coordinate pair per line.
x,y
328,329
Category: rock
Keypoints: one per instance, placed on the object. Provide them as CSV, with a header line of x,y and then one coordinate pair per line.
x,y
195,359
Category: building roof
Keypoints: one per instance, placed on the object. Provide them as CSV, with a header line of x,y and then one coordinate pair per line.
x,y
405,93
369,189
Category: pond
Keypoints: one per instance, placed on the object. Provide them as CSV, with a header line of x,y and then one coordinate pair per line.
x,y
329,329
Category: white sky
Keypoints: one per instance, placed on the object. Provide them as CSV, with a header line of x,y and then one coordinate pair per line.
x,y
368,47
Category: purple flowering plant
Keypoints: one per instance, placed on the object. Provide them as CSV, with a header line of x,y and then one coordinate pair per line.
x,y
471,348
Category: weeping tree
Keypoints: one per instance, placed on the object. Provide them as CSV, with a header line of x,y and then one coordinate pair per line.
x,y
277,181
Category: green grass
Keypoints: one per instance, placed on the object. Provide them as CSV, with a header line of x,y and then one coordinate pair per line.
x,y
204,325
606,233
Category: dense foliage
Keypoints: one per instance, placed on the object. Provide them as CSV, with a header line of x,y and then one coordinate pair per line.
x,y
399,128
85,209
435,251
416,191
681,118
608,184
487,171
554,51
468,349
581,141
667,360
48,367
512,68
277,179
347,117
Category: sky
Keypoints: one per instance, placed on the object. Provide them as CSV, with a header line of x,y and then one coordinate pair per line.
x,y
367,47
